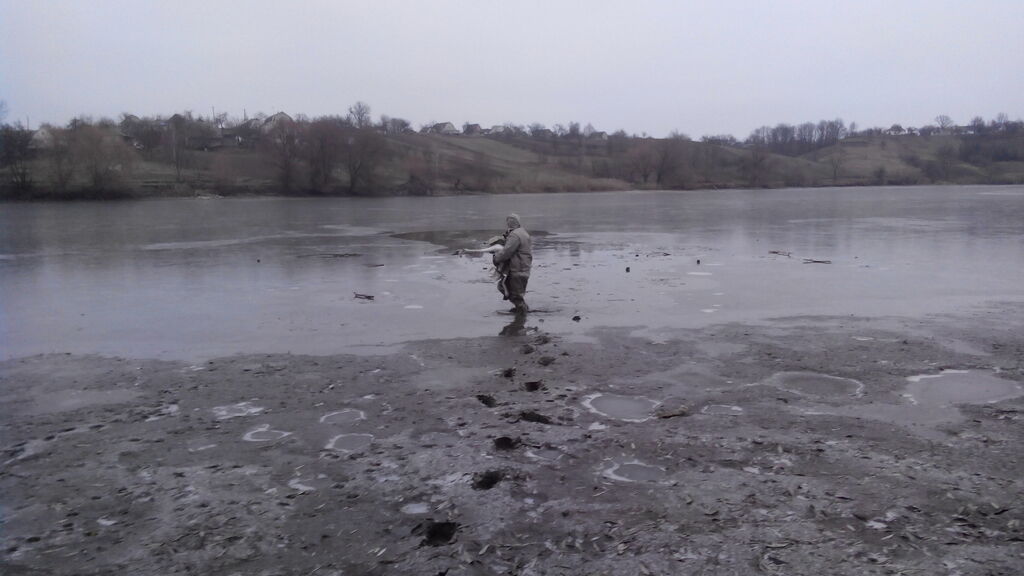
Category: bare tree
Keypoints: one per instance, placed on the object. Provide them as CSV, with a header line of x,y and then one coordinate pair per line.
x,y
399,126
281,147
947,156
175,143
359,115
61,158
756,166
836,160
394,126
944,122
104,157
643,160
324,143
15,153
363,151
671,168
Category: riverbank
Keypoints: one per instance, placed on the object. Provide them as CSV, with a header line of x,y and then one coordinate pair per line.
x,y
804,445
434,164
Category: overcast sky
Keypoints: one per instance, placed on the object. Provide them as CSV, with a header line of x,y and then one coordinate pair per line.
x,y
643,66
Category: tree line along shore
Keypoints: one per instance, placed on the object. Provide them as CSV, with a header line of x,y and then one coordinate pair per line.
x,y
356,155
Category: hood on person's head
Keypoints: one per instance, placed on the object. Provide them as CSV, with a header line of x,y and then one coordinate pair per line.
x,y
512,221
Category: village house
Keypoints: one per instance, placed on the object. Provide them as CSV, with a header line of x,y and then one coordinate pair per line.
x,y
445,128
272,122
42,139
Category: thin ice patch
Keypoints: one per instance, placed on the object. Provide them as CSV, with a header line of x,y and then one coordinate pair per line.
x,y
296,484
625,408
349,442
819,385
415,508
634,471
346,416
264,434
721,410
236,410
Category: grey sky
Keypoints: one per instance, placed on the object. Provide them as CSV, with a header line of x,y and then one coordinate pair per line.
x,y
644,66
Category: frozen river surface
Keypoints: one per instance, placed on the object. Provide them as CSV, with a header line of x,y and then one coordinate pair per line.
x,y
194,279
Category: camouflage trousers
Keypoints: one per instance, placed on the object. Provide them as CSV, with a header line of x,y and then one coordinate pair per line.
x,y
515,290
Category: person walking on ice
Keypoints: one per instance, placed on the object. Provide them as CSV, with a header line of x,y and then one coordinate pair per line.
x,y
515,260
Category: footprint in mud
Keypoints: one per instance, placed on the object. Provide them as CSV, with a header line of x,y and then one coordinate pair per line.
x,y
721,410
436,533
505,443
236,410
264,434
634,471
818,385
531,416
346,416
625,408
349,442
487,480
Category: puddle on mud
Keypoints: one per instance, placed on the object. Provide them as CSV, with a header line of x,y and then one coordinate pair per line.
x,y
951,387
814,384
264,434
236,410
346,416
930,400
349,442
721,410
634,471
625,408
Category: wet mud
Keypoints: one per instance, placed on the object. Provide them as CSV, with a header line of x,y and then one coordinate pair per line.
x,y
812,446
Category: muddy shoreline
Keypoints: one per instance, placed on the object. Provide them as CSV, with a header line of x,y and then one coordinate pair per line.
x,y
792,447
